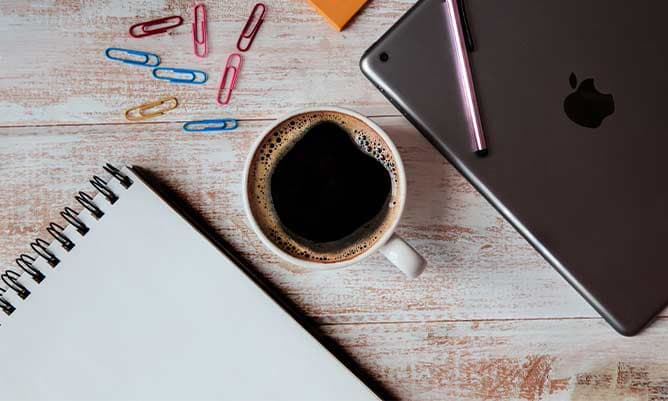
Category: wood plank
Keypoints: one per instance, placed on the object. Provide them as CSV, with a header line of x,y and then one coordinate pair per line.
x,y
479,266
57,73
579,360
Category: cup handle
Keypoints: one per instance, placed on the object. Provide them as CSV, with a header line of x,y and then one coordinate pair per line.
x,y
404,257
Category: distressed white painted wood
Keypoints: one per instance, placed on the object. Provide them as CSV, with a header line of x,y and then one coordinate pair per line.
x,y
479,267
524,360
489,319
53,70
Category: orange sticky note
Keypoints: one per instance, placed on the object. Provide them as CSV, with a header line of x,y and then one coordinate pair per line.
x,y
338,12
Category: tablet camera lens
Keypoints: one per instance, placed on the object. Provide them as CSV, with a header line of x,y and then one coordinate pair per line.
x,y
384,57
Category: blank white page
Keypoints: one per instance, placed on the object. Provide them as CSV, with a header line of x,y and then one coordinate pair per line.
x,y
145,307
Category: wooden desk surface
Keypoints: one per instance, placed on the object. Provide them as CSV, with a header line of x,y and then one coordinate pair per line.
x,y
489,319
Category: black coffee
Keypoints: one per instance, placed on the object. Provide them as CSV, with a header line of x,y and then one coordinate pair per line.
x,y
326,187
323,186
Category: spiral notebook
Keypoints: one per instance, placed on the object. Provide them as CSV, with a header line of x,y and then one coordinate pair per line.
x,y
134,302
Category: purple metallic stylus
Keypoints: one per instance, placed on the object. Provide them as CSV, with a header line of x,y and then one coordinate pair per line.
x,y
464,74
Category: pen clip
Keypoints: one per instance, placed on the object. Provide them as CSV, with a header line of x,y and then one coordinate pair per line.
x,y
466,27
465,78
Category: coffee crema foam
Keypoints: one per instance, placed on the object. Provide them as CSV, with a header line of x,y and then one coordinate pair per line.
x,y
275,145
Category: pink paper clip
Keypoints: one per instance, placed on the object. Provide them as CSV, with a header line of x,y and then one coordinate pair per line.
x,y
160,22
199,31
249,32
233,81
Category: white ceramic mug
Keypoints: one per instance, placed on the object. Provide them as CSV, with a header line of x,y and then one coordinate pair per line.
x,y
397,250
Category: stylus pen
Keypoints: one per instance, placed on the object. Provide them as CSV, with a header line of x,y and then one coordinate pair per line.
x,y
464,74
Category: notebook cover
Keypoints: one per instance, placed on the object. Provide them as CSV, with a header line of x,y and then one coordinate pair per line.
x,y
147,306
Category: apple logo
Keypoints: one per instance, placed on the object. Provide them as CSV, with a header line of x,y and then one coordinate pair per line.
x,y
587,106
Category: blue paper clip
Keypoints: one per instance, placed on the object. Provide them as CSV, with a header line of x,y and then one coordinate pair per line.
x,y
145,61
228,124
195,76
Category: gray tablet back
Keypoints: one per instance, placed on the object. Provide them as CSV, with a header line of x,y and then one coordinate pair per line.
x,y
592,200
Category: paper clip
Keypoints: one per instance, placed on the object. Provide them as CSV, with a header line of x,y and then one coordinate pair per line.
x,y
222,124
145,60
199,32
248,32
233,80
195,77
137,113
145,31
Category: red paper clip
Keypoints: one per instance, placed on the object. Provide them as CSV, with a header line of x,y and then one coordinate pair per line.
x,y
248,32
145,31
233,81
199,31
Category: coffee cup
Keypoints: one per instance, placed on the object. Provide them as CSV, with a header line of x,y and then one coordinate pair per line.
x,y
325,188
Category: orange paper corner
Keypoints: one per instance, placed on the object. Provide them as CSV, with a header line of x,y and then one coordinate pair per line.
x,y
338,12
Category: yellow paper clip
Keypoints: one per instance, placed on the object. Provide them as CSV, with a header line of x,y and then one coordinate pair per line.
x,y
137,113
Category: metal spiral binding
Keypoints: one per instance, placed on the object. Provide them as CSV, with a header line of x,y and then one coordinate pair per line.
x,y
116,173
5,305
26,262
11,278
40,248
87,201
72,217
56,231
101,186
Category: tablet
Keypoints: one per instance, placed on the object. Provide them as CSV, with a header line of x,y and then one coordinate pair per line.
x,y
572,100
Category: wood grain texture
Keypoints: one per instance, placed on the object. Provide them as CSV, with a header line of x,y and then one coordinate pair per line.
x,y
479,267
60,74
579,360
489,320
